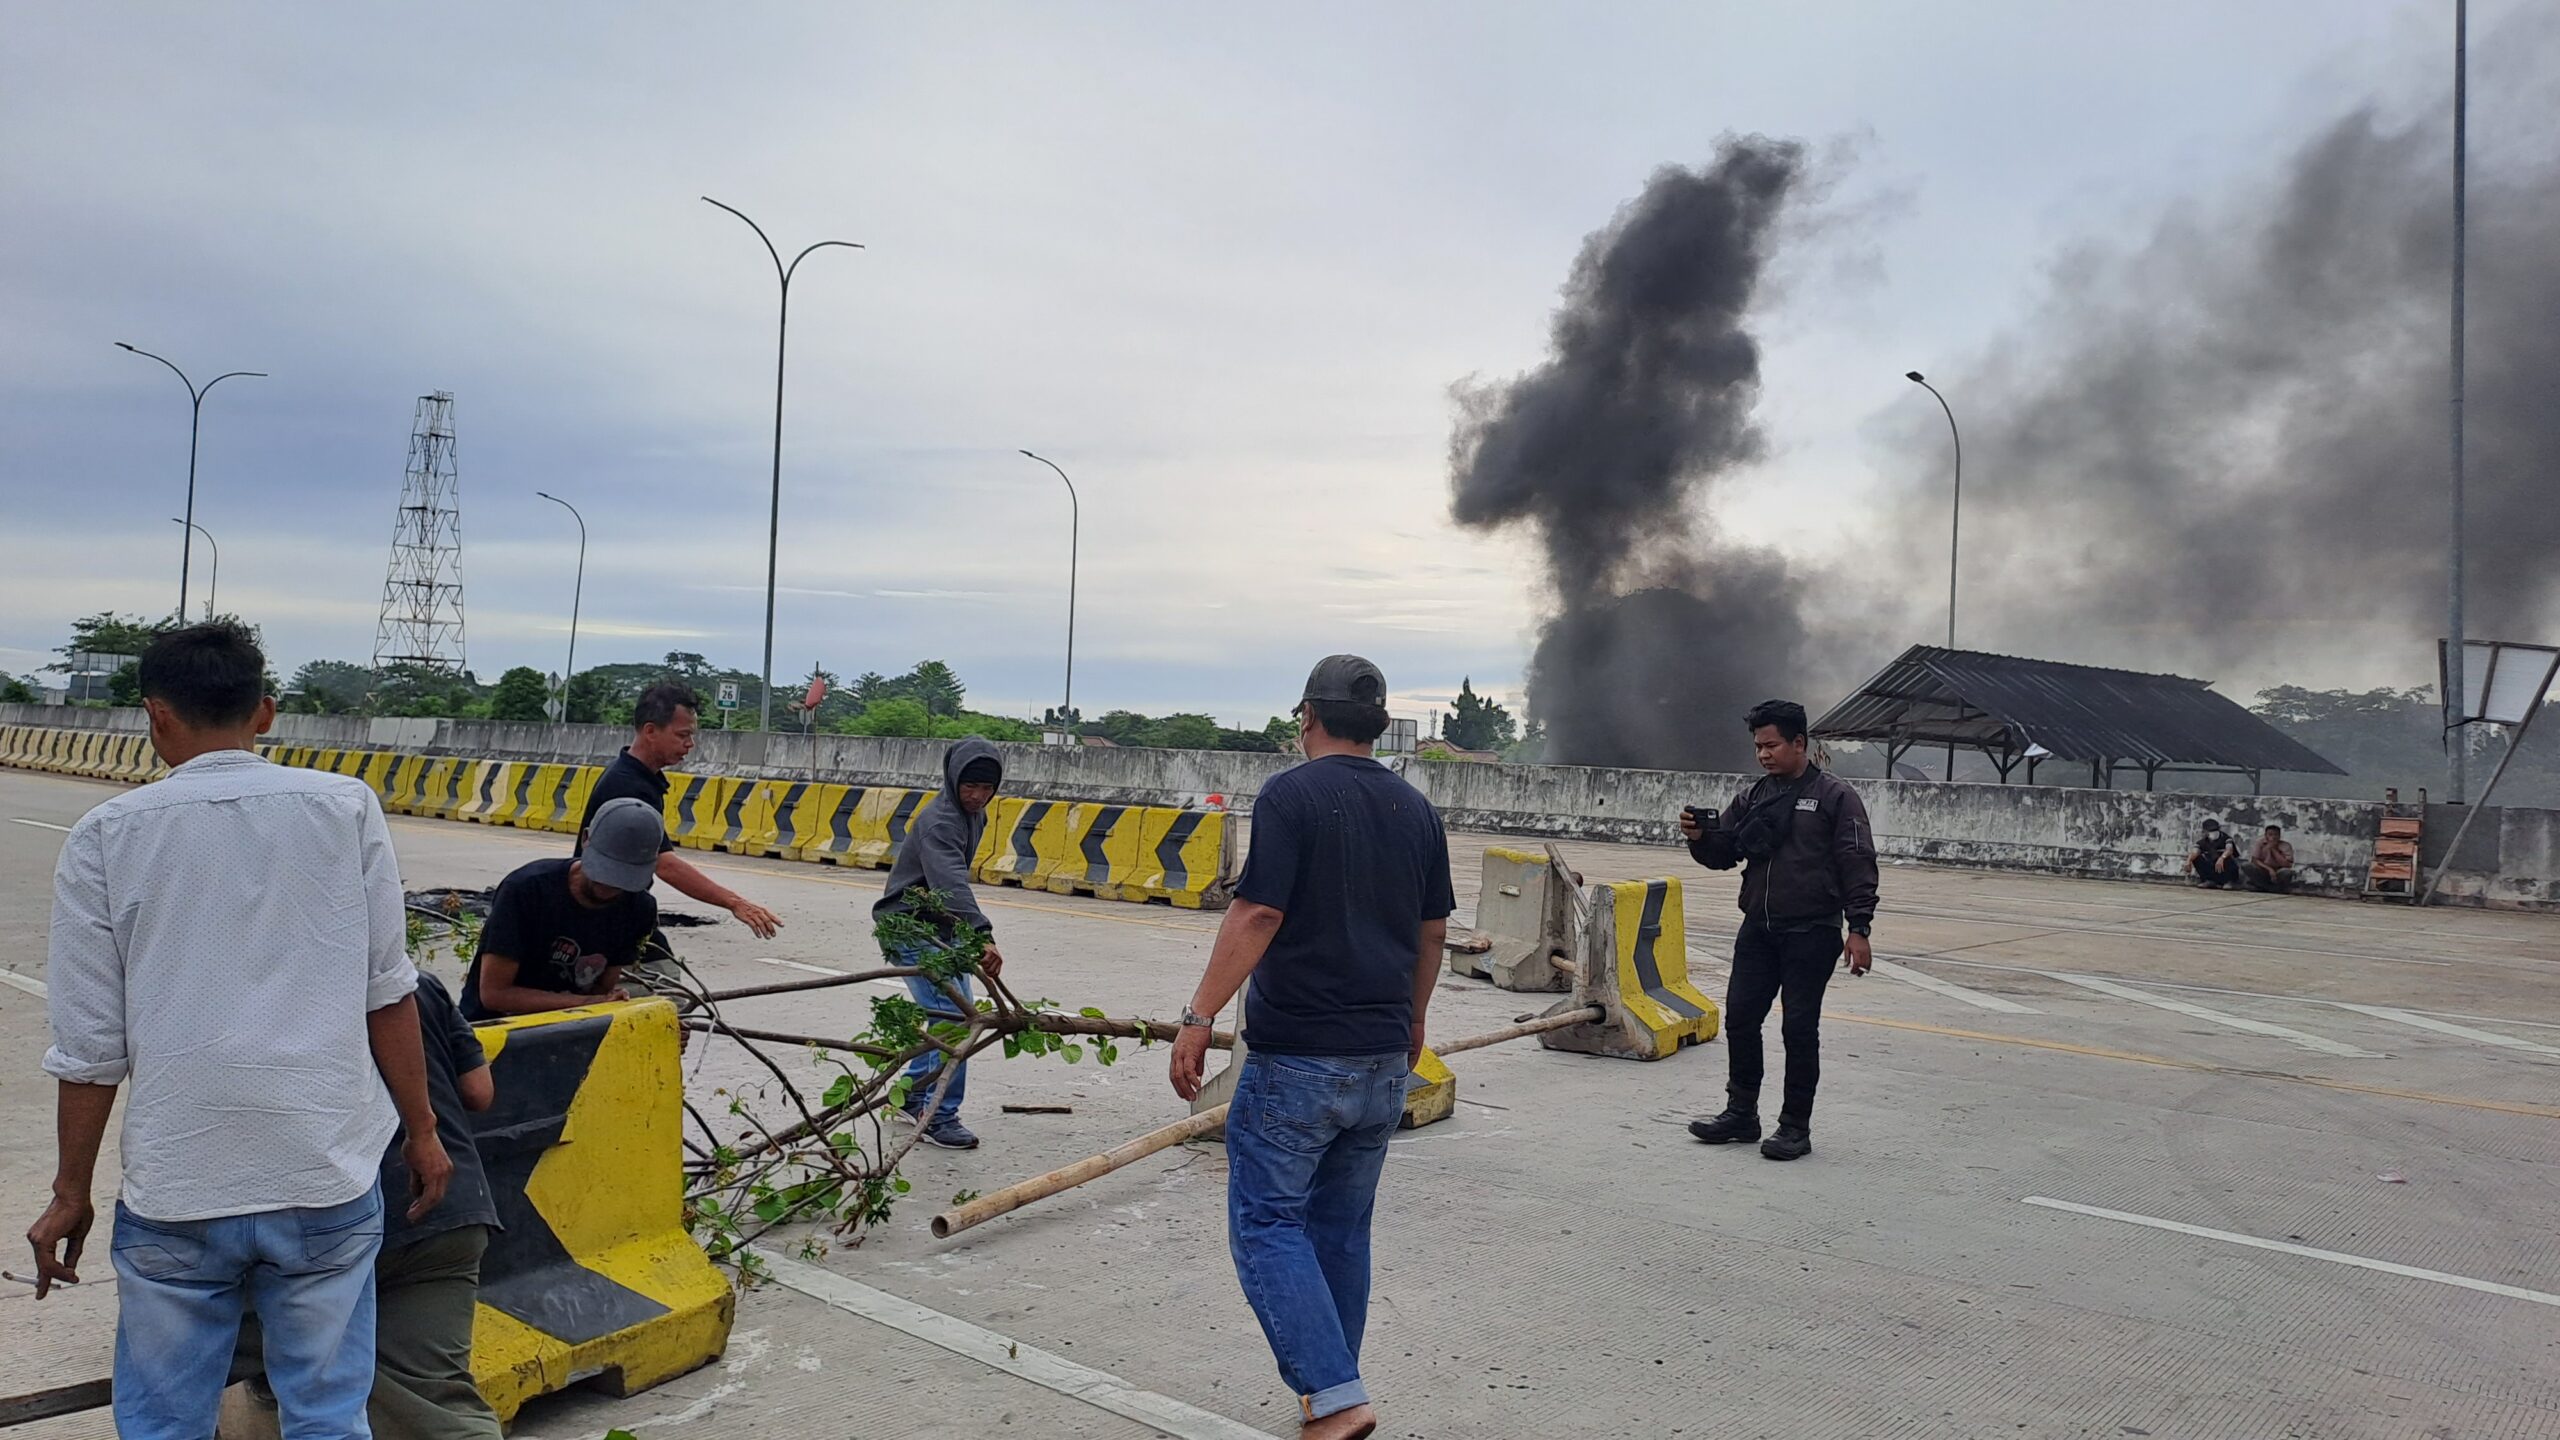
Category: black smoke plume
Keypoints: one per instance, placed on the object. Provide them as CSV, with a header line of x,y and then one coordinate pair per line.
x,y
2222,445
1663,632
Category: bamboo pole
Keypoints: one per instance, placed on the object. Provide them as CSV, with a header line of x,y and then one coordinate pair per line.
x,y
1093,1167
1040,1187
1539,1026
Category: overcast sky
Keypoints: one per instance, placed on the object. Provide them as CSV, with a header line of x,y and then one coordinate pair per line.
x,y
1223,267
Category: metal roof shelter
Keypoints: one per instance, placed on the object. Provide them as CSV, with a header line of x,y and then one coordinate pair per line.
x,y
2014,709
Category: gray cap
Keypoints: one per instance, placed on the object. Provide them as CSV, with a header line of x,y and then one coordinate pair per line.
x,y
1348,679
622,845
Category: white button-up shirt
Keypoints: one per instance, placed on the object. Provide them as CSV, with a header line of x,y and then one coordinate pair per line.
x,y
219,936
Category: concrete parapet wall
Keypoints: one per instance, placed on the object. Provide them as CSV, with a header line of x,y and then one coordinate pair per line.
x,y
2511,858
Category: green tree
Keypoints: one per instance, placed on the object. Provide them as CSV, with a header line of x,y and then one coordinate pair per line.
x,y
1282,731
892,717
589,696
519,696
868,689
689,667
1122,727
1251,741
411,689
107,633
1184,732
125,686
19,691
330,687
1475,723
986,727
937,686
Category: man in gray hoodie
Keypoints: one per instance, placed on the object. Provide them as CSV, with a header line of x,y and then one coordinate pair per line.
x,y
940,847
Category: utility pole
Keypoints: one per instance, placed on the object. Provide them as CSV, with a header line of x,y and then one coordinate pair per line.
x,y
2457,784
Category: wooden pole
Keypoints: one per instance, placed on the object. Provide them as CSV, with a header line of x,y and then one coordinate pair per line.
x,y
1040,1187
1093,1167
1539,1026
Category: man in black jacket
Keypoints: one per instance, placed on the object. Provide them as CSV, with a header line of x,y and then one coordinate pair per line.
x,y
1809,866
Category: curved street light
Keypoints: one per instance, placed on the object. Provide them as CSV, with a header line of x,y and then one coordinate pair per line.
x,y
781,338
195,427
577,593
212,584
1955,522
1075,525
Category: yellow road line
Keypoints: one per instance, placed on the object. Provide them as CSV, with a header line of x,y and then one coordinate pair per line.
x,y
2467,1102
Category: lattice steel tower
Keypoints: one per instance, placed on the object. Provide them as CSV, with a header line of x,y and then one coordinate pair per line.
x,y
422,594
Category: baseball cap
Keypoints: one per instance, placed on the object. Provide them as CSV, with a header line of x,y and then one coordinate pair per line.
x,y
1348,679
622,845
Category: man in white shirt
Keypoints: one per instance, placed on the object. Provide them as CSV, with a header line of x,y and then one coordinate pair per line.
x,y
230,939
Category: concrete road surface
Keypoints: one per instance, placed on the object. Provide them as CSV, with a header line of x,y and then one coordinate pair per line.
x,y
2092,1159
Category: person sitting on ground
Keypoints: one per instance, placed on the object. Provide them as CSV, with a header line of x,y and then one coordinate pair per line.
x,y
561,932
939,849
2270,863
663,726
427,1278
2216,860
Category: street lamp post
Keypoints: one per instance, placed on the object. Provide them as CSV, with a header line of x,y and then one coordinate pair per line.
x,y
195,427
577,594
1955,525
781,338
211,585
1075,525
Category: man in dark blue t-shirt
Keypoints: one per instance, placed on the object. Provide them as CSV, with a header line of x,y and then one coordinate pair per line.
x,y
1339,919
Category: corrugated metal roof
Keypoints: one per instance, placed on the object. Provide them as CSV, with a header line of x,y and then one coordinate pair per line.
x,y
1936,696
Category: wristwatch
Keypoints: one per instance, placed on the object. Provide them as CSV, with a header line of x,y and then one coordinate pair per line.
x,y
1191,1017
1860,927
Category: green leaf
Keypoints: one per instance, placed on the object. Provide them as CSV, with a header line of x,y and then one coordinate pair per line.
x,y
1092,1013
963,1197
899,1184
1074,1053
840,1091
1109,1053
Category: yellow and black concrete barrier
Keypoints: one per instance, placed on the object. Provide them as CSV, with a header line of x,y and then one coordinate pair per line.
x,y
1633,963
593,1279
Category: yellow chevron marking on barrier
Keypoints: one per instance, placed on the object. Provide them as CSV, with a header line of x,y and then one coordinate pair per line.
x,y
594,1274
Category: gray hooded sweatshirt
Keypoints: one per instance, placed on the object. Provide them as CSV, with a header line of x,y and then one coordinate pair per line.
x,y
941,842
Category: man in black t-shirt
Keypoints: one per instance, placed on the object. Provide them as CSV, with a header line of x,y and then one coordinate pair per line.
x,y
561,932
1339,919
663,728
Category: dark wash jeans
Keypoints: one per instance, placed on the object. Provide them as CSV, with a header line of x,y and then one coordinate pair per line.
x,y
1306,1139
1766,965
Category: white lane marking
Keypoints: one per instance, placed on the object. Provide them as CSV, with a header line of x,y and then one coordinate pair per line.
x,y
821,970
28,983
2361,1262
40,824
1939,959
1051,1372
1974,998
2429,1022
797,965
2237,1022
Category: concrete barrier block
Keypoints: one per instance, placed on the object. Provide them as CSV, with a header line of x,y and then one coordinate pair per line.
x,y
593,1279
1524,907
1633,959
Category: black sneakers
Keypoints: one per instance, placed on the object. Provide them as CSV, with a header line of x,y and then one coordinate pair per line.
x,y
1733,1127
1792,1142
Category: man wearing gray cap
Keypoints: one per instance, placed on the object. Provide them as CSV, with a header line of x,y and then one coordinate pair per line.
x,y
561,932
1339,920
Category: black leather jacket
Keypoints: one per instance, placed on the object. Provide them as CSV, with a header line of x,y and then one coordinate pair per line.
x,y
1825,866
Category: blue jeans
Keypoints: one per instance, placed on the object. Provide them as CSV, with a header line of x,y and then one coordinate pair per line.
x,y
1306,1139
182,1286
922,1069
